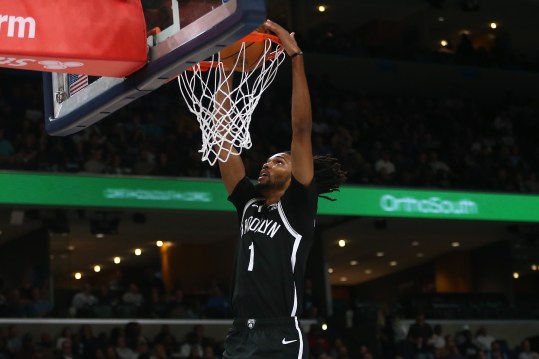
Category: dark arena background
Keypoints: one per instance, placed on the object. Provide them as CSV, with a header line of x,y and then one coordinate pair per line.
x,y
118,238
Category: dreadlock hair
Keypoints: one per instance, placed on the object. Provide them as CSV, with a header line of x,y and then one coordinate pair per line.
x,y
328,175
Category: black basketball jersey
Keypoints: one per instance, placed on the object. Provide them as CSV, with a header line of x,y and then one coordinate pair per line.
x,y
272,252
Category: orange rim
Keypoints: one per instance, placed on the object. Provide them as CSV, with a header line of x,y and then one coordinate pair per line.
x,y
255,36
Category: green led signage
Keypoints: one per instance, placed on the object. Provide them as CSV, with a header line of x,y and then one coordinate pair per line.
x,y
189,194
389,202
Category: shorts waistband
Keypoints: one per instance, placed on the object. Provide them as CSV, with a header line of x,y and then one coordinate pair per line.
x,y
251,323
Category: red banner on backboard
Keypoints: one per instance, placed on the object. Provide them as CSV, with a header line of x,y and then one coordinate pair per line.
x,y
96,37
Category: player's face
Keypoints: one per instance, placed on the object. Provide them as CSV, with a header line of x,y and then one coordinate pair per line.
x,y
275,172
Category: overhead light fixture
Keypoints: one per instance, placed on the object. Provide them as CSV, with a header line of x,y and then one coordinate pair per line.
x,y
455,244
78,275
117,260
342,243
159,243
419,255
138,252
97,268
493,25
330,270
380,254
415,243
516,275
343,279
321,8
444,43
368,271
353,262
534,267
393,263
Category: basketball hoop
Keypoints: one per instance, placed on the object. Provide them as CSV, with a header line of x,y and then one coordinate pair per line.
x,y
199,85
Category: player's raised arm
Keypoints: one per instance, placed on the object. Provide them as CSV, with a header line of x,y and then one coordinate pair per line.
x,y
301,147
232,168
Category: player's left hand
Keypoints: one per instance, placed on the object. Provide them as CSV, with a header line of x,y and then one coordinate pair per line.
x,y
288,39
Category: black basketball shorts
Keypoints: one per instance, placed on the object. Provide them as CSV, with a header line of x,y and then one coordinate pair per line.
x,y
267,338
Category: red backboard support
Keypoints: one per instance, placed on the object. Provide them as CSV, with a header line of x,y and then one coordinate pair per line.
x,y
98,37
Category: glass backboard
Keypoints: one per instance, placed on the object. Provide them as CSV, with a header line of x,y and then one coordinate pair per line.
x,y
181,33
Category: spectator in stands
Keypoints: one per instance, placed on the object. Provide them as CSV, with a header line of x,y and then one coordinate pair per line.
x,y
40,306
143,348
217,305
338,349
14,341
27,156
106,297
4,351
440,352
318,343
133,296
110,352
452,350
45,345
178,308
159,352
133,335
84,300
468,348
65,334
483,339
123,351
145,163
6,148
437,340
88,341
118,284
28,349
385,168
67,351
525,351
364,353
149,281
99,353
195,341
157,306
95,163
166,338
16,306
496,351
420,329
418,336
209,352
115,165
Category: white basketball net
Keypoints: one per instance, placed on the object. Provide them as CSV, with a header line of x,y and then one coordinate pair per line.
x,y
228,133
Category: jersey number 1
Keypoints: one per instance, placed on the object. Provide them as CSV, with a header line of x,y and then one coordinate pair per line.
x,y
251,257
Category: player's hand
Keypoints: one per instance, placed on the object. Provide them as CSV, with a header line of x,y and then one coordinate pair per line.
x,y
288,39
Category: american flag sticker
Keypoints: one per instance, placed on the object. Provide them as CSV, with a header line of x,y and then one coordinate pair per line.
x,y
76,83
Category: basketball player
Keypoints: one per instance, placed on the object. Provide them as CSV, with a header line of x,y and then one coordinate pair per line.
x,y
277,216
